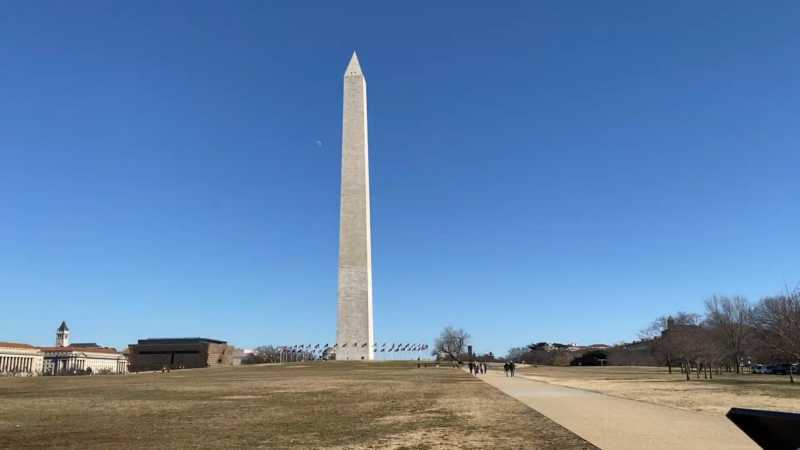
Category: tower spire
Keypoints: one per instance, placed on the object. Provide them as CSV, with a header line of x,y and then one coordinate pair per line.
x,y
354,68
62,335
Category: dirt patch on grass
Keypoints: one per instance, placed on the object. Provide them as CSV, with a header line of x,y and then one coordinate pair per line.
x,y
241,397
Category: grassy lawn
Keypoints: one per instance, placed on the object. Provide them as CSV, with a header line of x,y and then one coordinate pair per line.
x,y
391,405
650,384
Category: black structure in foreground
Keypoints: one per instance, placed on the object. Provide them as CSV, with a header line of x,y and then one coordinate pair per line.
x,y
769,429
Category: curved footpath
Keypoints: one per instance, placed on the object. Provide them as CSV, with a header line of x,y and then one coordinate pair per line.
x,y
613,423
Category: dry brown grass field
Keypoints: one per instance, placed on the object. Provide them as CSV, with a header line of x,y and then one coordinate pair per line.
x,y
316,405
654,385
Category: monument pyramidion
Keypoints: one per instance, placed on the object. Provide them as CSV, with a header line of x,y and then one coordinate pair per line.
x,y
354,322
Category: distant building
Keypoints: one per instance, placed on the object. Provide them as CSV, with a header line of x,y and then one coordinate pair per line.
x,y
62,335
239,354
672,327
18,358
644,344
329,354
598,347
65,358
61,358
170,353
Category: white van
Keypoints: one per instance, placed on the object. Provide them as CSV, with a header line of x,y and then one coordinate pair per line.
x,y
762,369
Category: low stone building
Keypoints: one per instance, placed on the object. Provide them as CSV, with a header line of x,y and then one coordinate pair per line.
x,y
19,359
240,354
58,360
67,358
172,353
62,358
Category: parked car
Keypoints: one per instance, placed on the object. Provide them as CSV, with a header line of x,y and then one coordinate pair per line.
x,y
762,369
781,369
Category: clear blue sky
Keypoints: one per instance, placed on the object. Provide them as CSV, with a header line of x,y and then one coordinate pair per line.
x,y
557,171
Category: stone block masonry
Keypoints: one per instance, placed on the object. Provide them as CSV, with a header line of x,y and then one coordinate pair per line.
x,y
191,353
354,321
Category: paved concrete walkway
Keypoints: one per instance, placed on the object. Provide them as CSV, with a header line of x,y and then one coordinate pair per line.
x,y
613,423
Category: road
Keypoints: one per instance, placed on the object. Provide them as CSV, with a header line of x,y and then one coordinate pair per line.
x,y
613,423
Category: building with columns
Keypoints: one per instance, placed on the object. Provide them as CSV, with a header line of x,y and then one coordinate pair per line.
x,y
19,359
99,360
80,357
24,359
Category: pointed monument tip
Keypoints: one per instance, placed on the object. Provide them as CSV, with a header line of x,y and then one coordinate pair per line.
x,y
354,68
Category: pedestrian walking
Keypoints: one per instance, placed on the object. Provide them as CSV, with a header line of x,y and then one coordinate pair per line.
x,y
505,368
511,368
470,367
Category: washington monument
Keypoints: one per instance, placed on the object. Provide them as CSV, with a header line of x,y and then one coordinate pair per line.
x,y
354,324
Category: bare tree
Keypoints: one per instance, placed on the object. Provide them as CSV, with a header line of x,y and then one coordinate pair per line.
x,y
777,323
261,355
452,343
687,344
666,349
562,358
730,318
516,353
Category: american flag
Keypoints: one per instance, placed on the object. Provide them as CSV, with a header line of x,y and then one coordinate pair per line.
x,y
335,345
364,345
344,345
384,344
326,345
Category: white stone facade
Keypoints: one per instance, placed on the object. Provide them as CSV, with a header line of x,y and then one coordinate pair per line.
x,y
354,323
239,354
19,359
62,335
24,359
100,360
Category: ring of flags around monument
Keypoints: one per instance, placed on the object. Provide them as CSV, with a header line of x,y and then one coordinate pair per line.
x,y
303,348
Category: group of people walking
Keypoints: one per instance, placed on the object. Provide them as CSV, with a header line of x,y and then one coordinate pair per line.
x,y
477,368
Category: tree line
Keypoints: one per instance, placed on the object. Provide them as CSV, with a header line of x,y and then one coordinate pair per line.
x,y
732,333
261,355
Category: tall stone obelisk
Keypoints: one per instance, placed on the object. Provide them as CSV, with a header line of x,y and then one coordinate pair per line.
x,y
354,325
